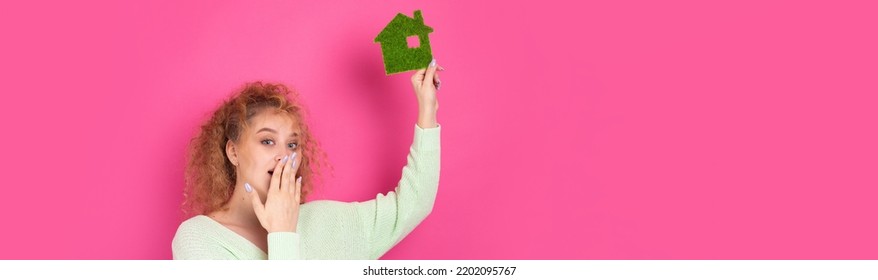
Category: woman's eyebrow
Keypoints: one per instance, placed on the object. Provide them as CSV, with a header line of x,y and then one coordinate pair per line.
x,y
275,131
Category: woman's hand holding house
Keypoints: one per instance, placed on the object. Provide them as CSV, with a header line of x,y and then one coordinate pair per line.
x,y
426,82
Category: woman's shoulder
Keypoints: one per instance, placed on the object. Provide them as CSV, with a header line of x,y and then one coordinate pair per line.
x,y
196,220
198,238
196,225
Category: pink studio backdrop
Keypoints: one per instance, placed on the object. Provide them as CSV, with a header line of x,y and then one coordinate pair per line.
x,y
595,130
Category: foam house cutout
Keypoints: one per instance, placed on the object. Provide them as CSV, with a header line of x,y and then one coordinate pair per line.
x,y
405,44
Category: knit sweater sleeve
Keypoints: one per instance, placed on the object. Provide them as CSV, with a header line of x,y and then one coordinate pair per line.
x,y
284,246
387,219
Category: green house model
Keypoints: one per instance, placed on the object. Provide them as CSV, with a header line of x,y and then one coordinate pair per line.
x,y
399,47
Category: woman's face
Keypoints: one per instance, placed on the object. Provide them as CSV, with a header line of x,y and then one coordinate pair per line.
x,y
270,137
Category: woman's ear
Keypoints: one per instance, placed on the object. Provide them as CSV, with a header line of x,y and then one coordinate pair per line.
x,y
232,152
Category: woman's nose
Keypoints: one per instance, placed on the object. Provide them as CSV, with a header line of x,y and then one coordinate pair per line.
x,y
281,155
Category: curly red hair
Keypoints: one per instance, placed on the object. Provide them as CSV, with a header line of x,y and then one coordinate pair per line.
x,y
210,176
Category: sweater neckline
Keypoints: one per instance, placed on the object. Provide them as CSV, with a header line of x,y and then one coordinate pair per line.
x,y
235,234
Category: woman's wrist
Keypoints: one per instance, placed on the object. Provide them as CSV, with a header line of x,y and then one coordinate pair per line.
x,y
293,230
427,124
282,228
427,117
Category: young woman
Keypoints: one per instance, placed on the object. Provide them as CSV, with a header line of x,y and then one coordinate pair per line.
x,y
254,162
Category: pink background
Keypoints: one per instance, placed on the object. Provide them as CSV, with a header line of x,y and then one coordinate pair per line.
x,y
617,130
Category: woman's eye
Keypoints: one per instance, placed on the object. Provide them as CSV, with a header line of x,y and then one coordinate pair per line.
x,y
291,145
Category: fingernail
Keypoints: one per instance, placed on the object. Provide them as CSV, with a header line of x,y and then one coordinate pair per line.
x,y
294,162
433,63
294,155
248,187
299,180
284,160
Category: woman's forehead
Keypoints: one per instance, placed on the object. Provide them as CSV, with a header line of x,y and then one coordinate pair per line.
x,y
274,122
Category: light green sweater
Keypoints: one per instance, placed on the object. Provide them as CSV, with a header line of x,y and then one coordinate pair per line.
x,y
332,229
